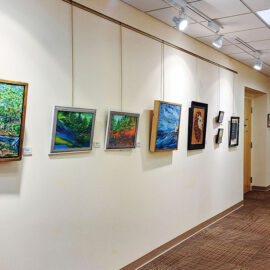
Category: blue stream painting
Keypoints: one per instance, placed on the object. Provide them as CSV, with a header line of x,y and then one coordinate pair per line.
x,y
73,130
168,126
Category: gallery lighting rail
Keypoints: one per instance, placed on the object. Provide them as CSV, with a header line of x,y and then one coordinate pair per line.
x,y
179,4
255,53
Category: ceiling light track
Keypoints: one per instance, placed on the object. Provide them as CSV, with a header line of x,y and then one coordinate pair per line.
x,y
179,4
256,54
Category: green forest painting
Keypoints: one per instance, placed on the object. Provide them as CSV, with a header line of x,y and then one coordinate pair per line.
x,y
73,130
11,109
122,131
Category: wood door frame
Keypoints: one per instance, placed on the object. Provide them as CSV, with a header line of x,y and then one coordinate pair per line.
x,y
249,94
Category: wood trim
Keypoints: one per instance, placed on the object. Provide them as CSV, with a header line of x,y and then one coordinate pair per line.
x,y
156,252
22,121
253,92
99,14
260,188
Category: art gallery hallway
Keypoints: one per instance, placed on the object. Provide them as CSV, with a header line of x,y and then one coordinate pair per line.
x,y
240,241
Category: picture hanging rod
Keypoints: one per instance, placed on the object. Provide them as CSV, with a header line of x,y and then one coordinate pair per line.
x,y
99,14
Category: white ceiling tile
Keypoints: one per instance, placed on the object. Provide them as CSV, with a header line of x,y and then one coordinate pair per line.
x,y
240,23
261,45
209,39
229,49
257,5
249,35
265,57
166,15
146,5
197,30
194,16
241,56
221,8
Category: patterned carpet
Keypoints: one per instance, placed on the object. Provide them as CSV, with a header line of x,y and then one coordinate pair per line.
x,y
240,241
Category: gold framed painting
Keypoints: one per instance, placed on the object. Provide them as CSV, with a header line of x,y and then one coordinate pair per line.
x,y
165,126
13,100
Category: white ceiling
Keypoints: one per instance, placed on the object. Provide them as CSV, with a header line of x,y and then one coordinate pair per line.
x,y
238,18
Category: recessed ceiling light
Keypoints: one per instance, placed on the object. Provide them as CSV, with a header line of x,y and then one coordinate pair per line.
x,y
265,15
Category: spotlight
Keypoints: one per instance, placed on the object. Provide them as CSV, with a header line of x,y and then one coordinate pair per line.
x,y
181,23
259,64
218,42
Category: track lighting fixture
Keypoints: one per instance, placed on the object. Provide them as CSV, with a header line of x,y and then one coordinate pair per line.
x,y
258,65
181,22
218,42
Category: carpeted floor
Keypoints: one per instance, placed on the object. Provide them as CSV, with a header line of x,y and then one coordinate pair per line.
x,y
240,241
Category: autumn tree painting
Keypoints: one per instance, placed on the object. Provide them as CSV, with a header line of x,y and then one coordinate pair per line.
x,y
122,130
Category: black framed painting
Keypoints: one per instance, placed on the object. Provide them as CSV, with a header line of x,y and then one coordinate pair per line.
x,y
219,136
268,120
220,117
197,125
234,131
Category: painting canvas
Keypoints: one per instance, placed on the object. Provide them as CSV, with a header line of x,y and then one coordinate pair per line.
x,y
13,96
220,117
72,130
165,126
219,135
197,125
234,131
122,128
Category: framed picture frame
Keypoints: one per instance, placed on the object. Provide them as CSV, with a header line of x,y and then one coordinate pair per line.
x,y
268,120
122,130
220,117
219,136
13,100
165,126
197,125
234,131
72,130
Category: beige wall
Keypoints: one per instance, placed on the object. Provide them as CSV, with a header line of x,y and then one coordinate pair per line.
x,y
102,210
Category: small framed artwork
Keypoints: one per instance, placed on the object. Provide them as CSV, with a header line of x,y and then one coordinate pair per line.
x,y
72,130
219,136
220,117
234,131
165,126
268,120
13,99
122,129
197,125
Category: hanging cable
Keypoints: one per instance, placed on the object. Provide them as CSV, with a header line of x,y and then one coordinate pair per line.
x,y
219,89
72,54
162,72
121,65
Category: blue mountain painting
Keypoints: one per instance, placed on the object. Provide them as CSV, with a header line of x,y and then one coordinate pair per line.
x,y
168,126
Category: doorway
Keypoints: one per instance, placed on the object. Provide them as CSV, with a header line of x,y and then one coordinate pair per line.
x,y
247,144
250,95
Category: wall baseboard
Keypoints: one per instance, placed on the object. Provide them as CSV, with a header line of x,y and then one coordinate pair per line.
x,y
260,188
158,251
